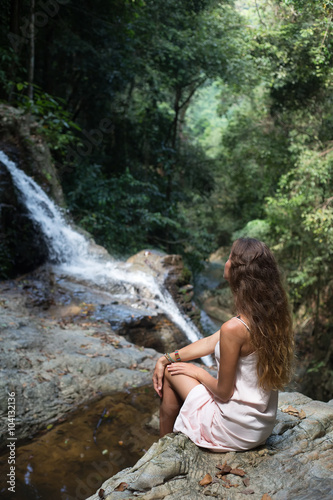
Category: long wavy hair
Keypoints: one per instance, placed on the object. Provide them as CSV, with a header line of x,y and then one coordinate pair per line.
x,y
259,295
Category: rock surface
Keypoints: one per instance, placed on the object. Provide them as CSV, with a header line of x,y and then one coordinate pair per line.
x,y
295,463
55,363
171,272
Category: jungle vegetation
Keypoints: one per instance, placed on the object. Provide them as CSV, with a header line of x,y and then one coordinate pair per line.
x,y
183,124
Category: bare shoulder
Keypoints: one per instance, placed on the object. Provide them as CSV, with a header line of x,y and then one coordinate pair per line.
x,y
234,331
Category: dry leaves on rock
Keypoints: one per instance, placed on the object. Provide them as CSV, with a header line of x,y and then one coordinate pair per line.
x,y
206,480
237,472
295,413
222,474
121,487
225,469
266,497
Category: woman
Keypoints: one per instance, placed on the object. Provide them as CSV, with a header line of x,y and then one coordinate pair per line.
x,y
254,353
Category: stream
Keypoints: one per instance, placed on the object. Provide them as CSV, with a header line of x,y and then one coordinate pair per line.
x,y
70,460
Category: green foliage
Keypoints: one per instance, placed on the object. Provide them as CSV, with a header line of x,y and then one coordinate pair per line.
x,y
203,123
316,367
253,154
220,124
257,228
162,53
301,219
8,58
273,174
53,122
185,278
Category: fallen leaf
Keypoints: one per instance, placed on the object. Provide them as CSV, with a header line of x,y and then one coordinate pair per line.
x,y
237,472
293,412
101,493
206,480
247,492
246,481
266,497
121,487
225,469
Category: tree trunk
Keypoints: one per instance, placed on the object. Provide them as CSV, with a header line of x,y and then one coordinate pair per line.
x,y
31,68
15,9
15,41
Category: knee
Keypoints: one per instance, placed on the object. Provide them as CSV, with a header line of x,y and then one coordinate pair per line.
x,y
167,375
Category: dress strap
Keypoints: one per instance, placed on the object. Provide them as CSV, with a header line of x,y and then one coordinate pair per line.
x,y
239,319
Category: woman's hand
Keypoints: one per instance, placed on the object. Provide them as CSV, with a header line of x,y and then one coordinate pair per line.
x,y
159,374
185,369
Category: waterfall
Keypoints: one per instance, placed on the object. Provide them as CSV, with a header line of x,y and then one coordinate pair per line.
x,y
70,254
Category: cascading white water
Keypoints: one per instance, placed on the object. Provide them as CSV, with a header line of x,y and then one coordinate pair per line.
x,y
63,243
71,254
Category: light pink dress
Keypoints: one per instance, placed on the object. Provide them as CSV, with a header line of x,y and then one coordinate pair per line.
x,y
242,423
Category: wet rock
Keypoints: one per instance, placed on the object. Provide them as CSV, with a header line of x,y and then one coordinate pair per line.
x,y
296,462
156,332
22,246
53,364
216,308
170,271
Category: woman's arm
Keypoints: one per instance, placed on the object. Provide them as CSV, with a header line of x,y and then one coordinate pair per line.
x,y
199,348
196,350
231,341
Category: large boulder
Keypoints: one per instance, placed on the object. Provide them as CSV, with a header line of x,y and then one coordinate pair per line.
x,y
22,247
169,271
295,463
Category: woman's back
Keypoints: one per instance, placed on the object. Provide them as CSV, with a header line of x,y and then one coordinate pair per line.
x,y
243,422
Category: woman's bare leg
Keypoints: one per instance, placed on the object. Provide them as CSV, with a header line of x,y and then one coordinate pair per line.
x,y
175,390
